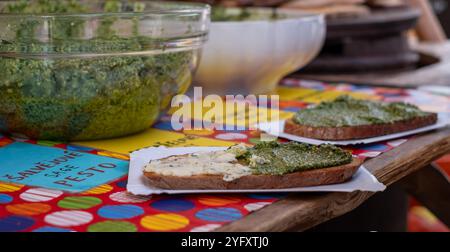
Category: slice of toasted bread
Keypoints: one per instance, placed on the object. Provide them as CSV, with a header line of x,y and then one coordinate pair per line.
x,y
324,176
358,132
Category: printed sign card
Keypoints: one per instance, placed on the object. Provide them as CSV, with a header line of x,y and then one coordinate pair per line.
x,y
35,165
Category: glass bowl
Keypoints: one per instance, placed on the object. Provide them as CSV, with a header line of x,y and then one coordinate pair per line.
x,y
85,70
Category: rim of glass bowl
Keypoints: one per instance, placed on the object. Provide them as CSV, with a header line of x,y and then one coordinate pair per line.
x,y
183,41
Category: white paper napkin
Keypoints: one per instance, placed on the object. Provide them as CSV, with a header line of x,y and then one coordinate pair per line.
x,y
276,128
363,180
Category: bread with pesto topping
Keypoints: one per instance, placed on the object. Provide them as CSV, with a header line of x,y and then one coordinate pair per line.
x,y
264,166
347,118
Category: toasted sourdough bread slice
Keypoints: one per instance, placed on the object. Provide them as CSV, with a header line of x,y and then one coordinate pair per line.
x,y
358,132
323,176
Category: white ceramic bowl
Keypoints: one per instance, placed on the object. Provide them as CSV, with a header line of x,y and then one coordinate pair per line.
x,y
251,57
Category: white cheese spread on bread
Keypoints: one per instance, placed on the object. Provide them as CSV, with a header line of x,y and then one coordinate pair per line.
x,y
201,163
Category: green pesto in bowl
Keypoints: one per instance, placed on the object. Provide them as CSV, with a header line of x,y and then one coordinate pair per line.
x,y
70,88
348,111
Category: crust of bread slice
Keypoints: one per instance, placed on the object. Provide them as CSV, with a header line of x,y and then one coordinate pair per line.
x,y
323,176
358,132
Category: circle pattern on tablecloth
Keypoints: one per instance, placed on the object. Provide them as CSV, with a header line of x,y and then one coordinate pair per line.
x,y
28,209
79,202
264,196
231,136
164,222
255,206
206,228
68,218
290,109
122,183
210,200
126,197
370,154
172,205
374,147
254,140
14,223
112,226
101,189
120,211
5,198
46,143
397,142
9,187
199,132
40,195
4,141
220,214
48,229
78,148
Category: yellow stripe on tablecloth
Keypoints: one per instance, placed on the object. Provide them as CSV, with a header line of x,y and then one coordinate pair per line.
x,y
152,137
9,187
99,189
231,114
295,93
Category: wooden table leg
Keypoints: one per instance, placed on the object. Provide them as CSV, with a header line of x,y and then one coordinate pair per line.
x,y
431,187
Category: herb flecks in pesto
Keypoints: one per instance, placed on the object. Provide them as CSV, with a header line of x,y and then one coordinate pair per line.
x,y
273,158
348,111
78,98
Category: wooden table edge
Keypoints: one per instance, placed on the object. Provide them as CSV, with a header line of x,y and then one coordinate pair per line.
x,y
301,211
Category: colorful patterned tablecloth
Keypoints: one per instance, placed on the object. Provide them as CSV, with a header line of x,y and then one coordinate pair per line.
x,y
109,207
